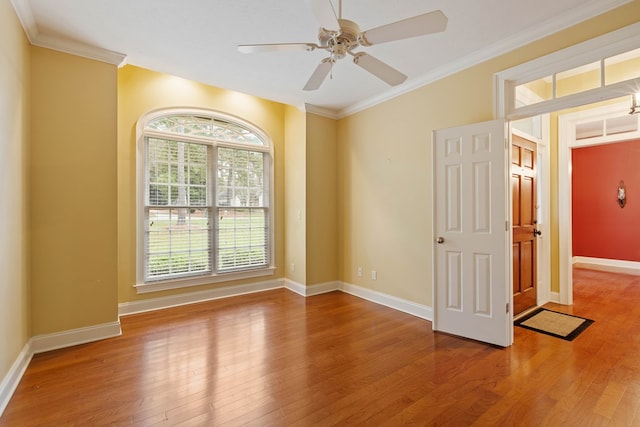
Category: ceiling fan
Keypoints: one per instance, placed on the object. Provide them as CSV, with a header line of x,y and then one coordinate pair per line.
x,y
341,37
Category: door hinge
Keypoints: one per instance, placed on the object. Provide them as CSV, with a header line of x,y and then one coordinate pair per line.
x,y
506,226
507,308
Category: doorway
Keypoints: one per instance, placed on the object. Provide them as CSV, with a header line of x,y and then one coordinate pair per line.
x,y
524,165
610,57
536,131
547,77
580,129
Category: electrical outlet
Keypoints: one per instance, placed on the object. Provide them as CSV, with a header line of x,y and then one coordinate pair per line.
x,y
374,275
293,267
359,271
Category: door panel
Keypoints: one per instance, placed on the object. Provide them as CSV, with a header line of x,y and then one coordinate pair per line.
x,y
523,197
471,288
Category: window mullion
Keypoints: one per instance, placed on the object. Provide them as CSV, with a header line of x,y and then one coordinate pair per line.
x,y
213,205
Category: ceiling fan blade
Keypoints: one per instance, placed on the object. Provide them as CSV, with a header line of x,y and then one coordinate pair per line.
x,y
427,23
379,69
276,47
319,74
325,14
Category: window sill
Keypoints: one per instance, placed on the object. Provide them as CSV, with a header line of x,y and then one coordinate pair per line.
x,y
143,288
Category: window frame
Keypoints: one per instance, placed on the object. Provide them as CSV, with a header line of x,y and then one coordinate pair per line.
x,y
142,134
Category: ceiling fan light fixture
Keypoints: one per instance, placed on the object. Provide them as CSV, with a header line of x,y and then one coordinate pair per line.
x,y
339,51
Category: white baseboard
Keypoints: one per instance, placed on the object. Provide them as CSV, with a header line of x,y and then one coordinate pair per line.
x,y
554,297
409,307
296,287
613,265
400,304
12,379
323,288
310,290
151,304
42,343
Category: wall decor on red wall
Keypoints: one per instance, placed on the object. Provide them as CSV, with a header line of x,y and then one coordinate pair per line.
x,y
606,225
622,194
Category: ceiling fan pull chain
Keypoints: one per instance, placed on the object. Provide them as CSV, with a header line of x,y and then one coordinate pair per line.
x,y
332,60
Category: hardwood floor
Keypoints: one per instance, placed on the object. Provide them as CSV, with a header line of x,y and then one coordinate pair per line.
x,y
278,359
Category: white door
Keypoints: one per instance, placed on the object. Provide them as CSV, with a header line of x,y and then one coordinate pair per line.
x,y
472,267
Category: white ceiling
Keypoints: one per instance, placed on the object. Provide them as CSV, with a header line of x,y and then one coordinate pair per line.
x,y
197,39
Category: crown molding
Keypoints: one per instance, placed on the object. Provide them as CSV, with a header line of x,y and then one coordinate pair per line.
x,y
80,49
23,10
321,111
588,10
36,38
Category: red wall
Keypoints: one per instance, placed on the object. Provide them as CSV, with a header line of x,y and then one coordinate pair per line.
x,y
602,229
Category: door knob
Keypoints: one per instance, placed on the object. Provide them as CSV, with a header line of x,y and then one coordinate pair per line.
x,y
536,232
440,240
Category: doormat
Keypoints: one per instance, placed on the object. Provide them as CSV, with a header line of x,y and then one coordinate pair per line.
x,y
552,323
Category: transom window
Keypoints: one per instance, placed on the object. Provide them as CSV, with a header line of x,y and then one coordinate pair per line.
x,y
204,197
606,71
605,67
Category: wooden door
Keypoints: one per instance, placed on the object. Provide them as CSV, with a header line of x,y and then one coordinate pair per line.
x,y
471,268
523,196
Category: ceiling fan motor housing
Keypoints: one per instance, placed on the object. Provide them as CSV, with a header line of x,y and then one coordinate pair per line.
x,y
340,42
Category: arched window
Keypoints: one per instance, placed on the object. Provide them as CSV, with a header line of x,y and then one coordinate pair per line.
x,y
204,198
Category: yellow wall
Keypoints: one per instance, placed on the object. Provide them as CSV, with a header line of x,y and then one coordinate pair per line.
x,y
14,203
73,192
624,70
141,91
322,214
384,156
295,195
311,211
385,177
